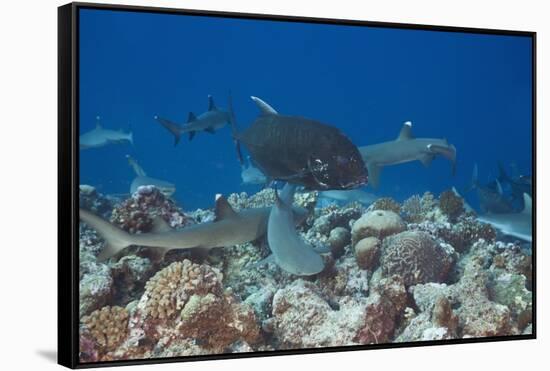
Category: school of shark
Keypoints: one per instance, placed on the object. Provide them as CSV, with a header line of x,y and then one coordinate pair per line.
x,y
313,234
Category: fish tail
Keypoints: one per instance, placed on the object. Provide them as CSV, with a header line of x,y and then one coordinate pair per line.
x,y
473,181
116,239
172,127
234,133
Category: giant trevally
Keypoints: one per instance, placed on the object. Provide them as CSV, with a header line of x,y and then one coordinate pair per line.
x,y
141,179
230,228
518,225
405,148
301,151
209,121
100,137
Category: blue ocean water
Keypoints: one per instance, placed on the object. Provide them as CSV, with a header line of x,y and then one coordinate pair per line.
x,y
473,89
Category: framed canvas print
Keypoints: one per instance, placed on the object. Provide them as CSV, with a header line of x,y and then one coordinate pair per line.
x,y
236,185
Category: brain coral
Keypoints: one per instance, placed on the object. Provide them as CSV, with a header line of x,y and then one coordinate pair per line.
x,y
377,223
108,326
416,257
168,291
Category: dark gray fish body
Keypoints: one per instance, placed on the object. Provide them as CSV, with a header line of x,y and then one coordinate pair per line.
x,y
303,151
519,185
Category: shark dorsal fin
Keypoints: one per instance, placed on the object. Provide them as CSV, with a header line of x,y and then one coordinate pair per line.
x,y
98,122
265,108
406,131
160,225
191,117
137,169
211,104
527,204
224,209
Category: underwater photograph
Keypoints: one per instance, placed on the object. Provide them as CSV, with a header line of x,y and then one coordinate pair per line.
x,y
261,185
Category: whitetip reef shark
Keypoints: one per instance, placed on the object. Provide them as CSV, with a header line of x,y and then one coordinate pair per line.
x,y
100,137
230,228
518,225
290,251
141,179
209,121
405,148
352,195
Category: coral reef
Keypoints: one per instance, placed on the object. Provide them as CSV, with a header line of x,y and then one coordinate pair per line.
x,y
377,223
367,252
417,257
386,203
90,199
303,319
424,270
137,214
107,326
451,204
385,307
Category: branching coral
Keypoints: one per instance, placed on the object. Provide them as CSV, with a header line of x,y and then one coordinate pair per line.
x,y
416,257
108,326
167,291
416,209
386,203
451,204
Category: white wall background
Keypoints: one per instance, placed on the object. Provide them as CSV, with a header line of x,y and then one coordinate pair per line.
x,y
28,83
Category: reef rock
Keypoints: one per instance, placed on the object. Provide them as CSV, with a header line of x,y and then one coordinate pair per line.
x,y
417,257
338,239
303,319
96,286
377,223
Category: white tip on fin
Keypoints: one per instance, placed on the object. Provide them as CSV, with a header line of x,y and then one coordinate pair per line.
x,y
406,131
265,108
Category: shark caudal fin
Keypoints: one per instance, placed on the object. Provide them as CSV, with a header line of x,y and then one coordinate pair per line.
x,y
172,127
473,181
115,238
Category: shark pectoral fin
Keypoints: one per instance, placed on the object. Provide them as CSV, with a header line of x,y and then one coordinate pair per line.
x,y
265,108
160,225
210,130
211,105
172,127
406,131
223,209
374,174
191,135
426,159
191,117
527,204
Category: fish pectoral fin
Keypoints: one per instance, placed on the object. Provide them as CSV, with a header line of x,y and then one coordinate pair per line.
x,y
426,159
210,130
374,174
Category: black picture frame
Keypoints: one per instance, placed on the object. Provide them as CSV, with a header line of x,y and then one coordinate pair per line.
x,y
68,180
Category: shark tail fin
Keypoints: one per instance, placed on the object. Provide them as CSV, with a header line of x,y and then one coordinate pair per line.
x,y
172,127
234,133
131,137
474,181
116,239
